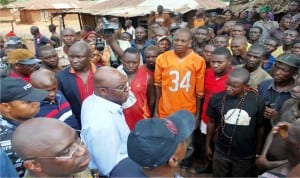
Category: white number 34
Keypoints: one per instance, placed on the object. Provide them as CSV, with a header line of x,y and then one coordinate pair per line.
x,y
177,84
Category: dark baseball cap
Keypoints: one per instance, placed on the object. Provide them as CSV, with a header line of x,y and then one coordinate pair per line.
x,y
153,141
17,89
291,60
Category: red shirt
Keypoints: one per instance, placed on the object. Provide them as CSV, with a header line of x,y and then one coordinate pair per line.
x,y
13,74
212,85
150,72
85,89
140,109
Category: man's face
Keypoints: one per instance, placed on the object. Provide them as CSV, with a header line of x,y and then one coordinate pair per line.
x,y
91,38
151,56
33,31
282,72
207,52
51,86
271,45
296,89
293,6
70,145
234,86
117,91
181,42
254,34
25,69
286,22
228,16
125,37
228,26
23,110
219,64
79,59
68,38
160,9
164,45
254,59
140,34
130,62
263,15
237,30
127,23
289,37
221,42
201,35
296,49
238,47
50,58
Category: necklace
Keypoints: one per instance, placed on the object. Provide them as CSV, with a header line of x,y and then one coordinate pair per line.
x,y
240,106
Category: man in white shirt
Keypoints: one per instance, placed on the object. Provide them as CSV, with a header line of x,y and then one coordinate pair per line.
x,y
129,28
104,128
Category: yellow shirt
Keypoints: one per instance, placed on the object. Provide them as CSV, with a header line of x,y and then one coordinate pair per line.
x,y
278,52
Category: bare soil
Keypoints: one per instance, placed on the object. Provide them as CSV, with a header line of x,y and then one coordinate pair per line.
x,y
23,30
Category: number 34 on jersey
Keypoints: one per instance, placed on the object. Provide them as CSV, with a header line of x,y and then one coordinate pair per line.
x,y
180,81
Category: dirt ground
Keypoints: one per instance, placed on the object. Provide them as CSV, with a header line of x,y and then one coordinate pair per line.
x,y
23,30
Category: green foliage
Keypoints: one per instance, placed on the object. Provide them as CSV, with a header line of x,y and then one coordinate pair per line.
x,y
5,2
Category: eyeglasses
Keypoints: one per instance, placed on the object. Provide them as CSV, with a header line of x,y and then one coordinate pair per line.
x,y
68,156
122,89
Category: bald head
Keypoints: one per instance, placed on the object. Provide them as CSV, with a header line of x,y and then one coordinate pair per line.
x,y
240,73
111,84
68,31
28,144
42,77
101,78
241,39
185,31
80,46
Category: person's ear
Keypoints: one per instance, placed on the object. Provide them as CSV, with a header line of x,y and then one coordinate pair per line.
x,y
33,166
173,161
4,108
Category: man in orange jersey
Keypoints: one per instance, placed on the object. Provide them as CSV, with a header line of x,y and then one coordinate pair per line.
x,y
179,77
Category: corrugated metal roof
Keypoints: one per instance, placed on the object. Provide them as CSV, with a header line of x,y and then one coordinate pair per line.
x,y
131,8
51,4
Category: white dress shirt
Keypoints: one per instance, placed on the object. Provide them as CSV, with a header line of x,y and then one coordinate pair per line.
x,y
105,133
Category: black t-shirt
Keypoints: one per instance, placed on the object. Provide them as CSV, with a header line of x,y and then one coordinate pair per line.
x,y
241,123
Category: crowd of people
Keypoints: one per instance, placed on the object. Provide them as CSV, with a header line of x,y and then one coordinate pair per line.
x,y
135,102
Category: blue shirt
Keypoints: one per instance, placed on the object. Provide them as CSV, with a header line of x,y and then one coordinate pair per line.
x,y
60,110
146,44
269,66
268,91
7,169
40,40
105,133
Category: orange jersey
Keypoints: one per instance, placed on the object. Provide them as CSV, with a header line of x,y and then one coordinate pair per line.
x,y
181,81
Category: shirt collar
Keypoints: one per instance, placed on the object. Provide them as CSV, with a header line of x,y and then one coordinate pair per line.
x,y
272,87
92,65
111,106
9,123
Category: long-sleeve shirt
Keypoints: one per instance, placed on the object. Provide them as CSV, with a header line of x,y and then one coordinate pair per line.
x,y
105,133
60,110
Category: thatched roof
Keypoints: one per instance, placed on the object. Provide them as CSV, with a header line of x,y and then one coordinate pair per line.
x,y
277,6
